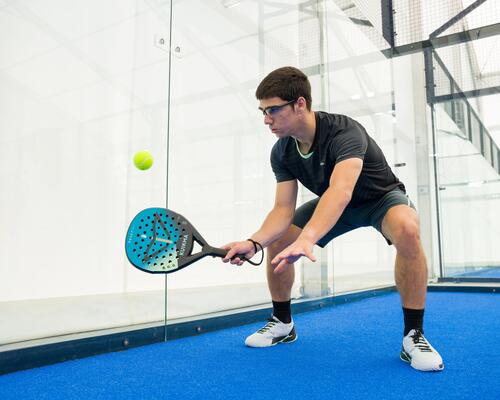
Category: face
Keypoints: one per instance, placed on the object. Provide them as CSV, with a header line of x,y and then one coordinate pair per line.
x,y
280,115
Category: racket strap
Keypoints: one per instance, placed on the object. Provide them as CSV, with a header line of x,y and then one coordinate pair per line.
x,y
255,244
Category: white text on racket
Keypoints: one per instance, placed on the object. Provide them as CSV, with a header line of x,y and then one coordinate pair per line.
x,y
158,239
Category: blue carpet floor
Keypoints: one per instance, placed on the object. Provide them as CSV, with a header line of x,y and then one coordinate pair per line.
x,y
345,352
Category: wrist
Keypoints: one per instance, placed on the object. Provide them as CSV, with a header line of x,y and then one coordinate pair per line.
x,y
308,235
259,239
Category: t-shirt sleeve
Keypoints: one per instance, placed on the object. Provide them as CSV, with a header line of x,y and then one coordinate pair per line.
x,y
280,170
348,143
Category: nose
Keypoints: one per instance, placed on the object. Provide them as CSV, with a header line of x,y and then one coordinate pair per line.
x,y
268,120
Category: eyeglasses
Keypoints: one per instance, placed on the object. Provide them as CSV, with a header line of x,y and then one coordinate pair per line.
x,y
273,110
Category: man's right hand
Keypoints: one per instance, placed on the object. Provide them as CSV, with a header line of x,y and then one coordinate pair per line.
x,y
245,247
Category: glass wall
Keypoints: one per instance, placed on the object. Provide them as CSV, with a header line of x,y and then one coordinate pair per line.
x,y
83,88
468,173
469,203
219,172
361,84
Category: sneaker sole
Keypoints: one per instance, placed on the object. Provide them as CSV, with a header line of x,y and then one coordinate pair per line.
x,y
404,356
290,338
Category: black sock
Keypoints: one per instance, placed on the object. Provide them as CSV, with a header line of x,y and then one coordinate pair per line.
x,y
414,319
282,311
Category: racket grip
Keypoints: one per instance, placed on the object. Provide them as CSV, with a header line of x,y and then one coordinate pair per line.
x,y
216,252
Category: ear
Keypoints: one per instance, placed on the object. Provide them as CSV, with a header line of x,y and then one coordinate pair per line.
x,y
301,104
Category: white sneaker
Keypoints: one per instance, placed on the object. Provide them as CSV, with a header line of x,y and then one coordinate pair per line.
x,y
419,353
272,333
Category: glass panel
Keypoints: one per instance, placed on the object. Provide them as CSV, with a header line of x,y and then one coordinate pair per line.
x,y
219,171
361,86
83,88
469,199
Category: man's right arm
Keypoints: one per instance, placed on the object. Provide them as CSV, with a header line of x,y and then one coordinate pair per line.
x,y
281,216
275,224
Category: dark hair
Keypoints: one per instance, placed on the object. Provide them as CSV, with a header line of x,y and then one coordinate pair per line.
x,y
287,83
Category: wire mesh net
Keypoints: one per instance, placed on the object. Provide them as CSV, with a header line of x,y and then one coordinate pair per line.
x,y
473,66
415,21
367,16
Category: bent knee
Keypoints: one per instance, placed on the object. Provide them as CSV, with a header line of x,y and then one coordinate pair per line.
x,y
406,238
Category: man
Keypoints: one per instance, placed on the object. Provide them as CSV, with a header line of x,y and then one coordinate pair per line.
x,y
333,156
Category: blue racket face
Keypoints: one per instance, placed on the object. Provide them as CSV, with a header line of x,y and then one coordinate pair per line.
x,y
154,239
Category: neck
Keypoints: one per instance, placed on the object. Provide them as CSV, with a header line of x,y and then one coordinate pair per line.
x,y
305,133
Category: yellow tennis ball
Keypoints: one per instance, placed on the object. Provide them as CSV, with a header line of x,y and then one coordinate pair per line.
x,y
143,159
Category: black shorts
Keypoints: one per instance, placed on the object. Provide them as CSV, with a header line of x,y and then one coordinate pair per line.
x,y
368,214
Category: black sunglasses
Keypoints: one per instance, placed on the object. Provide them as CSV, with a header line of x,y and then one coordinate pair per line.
x,y
272,110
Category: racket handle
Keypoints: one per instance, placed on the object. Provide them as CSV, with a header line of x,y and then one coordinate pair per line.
x,y
216,252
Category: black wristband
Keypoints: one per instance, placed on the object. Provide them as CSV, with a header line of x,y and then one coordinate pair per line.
x,y
255,243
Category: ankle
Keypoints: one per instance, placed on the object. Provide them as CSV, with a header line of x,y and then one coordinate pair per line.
x,y
282,311
414,319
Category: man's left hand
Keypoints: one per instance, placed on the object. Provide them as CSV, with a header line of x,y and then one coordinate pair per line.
x,y
299,248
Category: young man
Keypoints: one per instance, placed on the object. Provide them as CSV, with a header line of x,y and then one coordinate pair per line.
x,y
332,156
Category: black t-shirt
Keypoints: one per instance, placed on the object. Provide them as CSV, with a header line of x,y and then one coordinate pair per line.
x,y
337,138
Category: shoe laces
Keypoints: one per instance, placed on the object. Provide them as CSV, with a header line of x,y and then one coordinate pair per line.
x,y
268,326
420,342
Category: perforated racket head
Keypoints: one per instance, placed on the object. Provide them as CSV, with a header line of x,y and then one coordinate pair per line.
x,y
159,241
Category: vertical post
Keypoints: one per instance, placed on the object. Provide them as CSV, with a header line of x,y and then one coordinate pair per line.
x,y
315,275
169,111
469,123
437,191
429,75
388,22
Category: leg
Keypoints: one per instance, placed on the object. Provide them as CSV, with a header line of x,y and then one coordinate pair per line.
x,y
400,225
280,328
280,285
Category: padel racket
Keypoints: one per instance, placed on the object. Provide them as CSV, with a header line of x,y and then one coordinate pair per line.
x,y
161,241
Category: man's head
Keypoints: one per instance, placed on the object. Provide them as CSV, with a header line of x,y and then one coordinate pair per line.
x,y
287,83
285,100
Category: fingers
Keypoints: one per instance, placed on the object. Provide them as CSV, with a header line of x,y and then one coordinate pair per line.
x,y
232,251
235,257
229,255
236,251
276,260
281,267
289,256
310,255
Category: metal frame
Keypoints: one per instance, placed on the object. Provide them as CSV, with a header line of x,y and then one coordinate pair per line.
x,y
456,18
388,22
471,279
468,94
443,41
462,288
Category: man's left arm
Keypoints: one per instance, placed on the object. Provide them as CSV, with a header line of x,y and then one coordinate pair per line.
x,y
328,211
